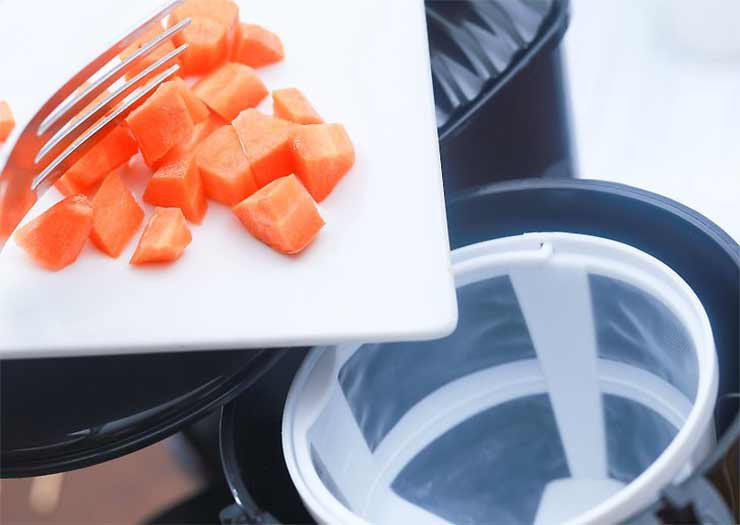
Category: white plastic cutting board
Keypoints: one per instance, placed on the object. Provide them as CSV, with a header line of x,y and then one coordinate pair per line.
x,y
379,270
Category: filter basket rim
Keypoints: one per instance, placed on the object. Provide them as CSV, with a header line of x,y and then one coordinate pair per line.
x,y
627,501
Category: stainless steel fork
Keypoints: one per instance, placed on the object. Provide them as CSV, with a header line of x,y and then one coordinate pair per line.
x,y
58,135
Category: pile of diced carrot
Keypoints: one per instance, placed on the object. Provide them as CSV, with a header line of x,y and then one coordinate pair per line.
x,y
202,141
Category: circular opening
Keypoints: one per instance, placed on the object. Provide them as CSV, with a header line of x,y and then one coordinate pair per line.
x,y
581,379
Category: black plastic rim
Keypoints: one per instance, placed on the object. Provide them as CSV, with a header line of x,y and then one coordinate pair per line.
x,y
227,441
208,400
712,230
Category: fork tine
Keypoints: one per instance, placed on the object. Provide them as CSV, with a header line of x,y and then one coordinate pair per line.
x,y
75,149
91,68
104,105
94,89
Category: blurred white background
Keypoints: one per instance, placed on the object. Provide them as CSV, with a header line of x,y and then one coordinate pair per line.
x,y
655,91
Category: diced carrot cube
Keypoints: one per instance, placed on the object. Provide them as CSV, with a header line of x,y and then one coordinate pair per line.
x,y
160,124
224,168
256,46
164,239
201,131
144,83
116,216
225,12
150,57
267,143
208,46
282,215
55,238
212,123
230,89
197,108
112,151
67,186
7,121
291,104
178,185
323,154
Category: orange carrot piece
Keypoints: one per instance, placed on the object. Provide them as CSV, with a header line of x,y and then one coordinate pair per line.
x,y
208,46
267,143
152,56
212,124
282,215
116,216
164,239
113,150
178,185
160,124
201,131
230,89
323,154
256,46
225,12
139,102
291,104
224,167
7,121
55,238
197,108
67,186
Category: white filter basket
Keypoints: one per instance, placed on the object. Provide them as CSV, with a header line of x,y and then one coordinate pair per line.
x,y
580,381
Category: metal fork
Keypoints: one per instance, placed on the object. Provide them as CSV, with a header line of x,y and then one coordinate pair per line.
x,y
58,135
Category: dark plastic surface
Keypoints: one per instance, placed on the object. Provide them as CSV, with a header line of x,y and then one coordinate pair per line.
x,y
471,475
706,257
473,44
252,447
200,509
63,414
517,125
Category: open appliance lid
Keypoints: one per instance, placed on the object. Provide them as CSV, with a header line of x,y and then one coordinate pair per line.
x,y
476,46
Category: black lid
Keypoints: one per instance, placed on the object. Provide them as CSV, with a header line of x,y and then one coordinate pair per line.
x,y
475,46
